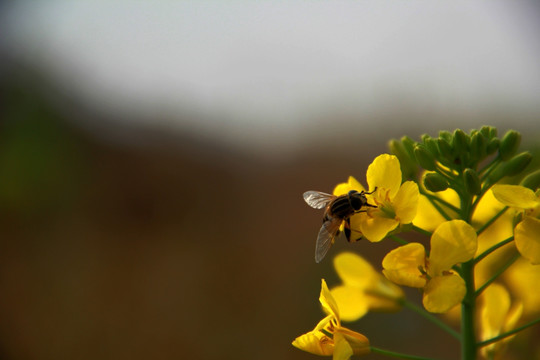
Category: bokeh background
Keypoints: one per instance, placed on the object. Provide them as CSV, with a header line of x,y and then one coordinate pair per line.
x,y
153,157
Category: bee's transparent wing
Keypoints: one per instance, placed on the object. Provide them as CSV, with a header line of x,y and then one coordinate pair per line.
x,y
317,199
326,237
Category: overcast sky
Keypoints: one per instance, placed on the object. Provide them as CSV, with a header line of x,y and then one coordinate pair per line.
x,y
240,63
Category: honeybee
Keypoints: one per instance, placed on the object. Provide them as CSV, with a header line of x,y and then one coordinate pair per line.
x,y
338,210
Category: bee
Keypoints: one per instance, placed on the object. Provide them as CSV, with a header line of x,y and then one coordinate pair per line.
x,y
338,210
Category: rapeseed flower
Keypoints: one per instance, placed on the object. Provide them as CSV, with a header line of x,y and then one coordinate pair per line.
x,y
396,202
527,231
363,288
452,242
497,315
329,337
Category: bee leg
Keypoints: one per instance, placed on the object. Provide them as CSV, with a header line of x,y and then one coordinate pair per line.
x,y
348,231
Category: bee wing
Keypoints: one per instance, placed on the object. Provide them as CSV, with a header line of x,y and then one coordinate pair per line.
x,y
317,199
326,237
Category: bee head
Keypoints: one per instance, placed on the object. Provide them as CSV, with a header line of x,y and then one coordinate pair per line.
x,y
357,200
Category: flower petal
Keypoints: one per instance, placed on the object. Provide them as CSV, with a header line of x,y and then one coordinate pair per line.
x,y
315,342
443,293
527,239
427,216
375,228
452,242
353,270
402,265
384,173
406,202
352,302
358,343
515,196
351,184
327,301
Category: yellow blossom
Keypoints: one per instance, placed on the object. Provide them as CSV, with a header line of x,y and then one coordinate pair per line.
x,y
396,202
329,337
527,231
452,242
496,317
522,278
363,288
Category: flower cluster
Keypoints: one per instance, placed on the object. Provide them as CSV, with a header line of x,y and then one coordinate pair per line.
x,y
459,191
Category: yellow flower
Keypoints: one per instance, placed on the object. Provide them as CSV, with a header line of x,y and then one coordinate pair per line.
x,y
396,202
527,231
363,288
522,278
452,242
329,337
497,317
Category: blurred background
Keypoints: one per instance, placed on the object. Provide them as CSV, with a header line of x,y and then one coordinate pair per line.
x,y
153,158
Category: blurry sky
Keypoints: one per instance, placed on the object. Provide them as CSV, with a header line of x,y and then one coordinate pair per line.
x,y
261,71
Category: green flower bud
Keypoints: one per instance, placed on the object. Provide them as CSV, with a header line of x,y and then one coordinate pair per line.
x,y
424,157
532,181
409,145
445,149
518,163
461,141
511,167
471,181
446,136
493,146
435,182
509,144
489,132
478,147
406,160
431,146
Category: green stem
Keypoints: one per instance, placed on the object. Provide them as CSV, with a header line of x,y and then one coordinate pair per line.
x,y
421,231
491,221
468,340
398,239
507,334
497,274
397,355
493,248
429,316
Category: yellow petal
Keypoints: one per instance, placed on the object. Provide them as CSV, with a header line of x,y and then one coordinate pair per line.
x,y
521,277
344,188
328,302
402,265
375,228
353,269
495,306
406,202
352,302
358,343
443,293
515,196
487,208
342,349
384,173
452,242
315,342
527,239
427,217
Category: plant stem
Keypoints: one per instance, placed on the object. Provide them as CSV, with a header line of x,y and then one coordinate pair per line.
x,y
468,339
398,355
491,221
493,248
421,231
398,240
507,334
497,274
429,316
